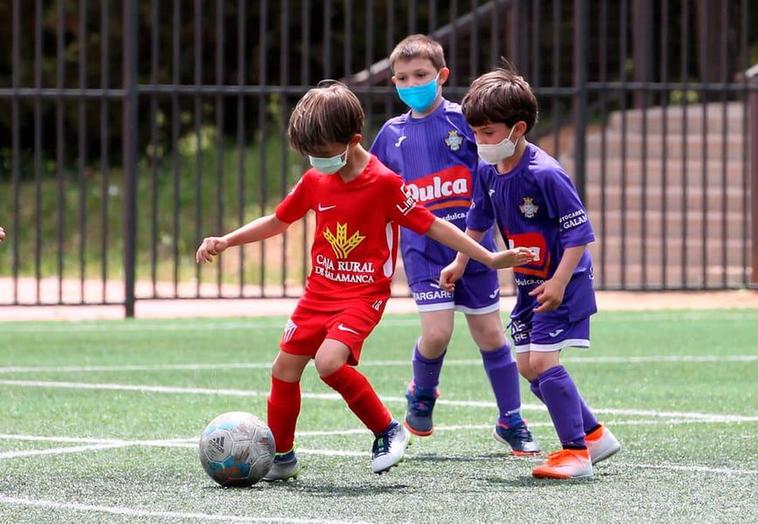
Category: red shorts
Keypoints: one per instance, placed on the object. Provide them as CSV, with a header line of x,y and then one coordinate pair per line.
x,y
349,322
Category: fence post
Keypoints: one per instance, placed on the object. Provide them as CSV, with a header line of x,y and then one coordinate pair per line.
x,y
580,95
130,151
752,138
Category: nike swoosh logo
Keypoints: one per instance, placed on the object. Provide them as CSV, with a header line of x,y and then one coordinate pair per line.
x,y
325,208
434,285
556,332
343,327
400,141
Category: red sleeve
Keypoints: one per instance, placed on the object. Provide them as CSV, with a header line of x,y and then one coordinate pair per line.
x,y
404,210
296,204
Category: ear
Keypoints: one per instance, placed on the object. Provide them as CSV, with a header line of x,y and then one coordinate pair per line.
x,y
444,74
520,128
394,80
355,140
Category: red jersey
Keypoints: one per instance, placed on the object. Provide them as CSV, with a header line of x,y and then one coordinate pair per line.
x,y
357,228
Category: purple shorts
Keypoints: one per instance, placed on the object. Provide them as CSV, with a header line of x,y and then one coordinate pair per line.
x,y
475,294
530,334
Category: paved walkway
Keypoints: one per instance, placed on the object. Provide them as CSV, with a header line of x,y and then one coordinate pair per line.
x,y
607,301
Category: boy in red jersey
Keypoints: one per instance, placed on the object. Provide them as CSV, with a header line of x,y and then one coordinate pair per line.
x,y
359,206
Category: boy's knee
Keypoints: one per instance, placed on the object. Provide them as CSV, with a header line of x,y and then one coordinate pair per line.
x,y
437,338
489,338
328,364
540,362
525,367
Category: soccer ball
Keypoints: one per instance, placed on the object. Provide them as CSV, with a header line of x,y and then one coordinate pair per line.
x,y
236,449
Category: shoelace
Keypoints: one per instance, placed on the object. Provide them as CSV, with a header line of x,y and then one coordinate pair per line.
x,y
421,405
382,442
519,432
556,456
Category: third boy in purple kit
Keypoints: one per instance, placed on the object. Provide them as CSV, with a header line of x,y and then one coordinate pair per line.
x,y
433,149
532,200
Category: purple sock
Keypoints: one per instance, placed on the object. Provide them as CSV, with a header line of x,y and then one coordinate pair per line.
x,y
588,419
564,405
503,374
426,371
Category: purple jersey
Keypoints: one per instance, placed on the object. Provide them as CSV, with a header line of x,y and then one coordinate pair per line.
x,y
436,156
536,206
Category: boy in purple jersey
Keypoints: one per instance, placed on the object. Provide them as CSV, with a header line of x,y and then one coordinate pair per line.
x,y
535,205
433,149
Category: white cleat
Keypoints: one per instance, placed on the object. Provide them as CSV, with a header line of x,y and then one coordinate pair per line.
x,y
286,469
601,444
389,448
565,464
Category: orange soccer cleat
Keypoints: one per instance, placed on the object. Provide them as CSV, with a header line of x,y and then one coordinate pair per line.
x,y
601,444
565,464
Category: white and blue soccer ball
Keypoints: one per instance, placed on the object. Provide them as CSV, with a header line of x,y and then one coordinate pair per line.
x,y
236,449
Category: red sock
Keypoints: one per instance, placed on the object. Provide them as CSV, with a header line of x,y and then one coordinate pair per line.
x,y
360,397
283,409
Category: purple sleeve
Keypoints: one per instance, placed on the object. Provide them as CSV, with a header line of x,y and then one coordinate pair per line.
x,y
564,205
377,148
480,216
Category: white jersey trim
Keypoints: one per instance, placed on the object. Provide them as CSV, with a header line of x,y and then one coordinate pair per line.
x,y
389,267
479,310
569,342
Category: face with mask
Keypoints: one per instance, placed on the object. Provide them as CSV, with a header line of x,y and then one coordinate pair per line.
x,y
418,83
329,164
492,143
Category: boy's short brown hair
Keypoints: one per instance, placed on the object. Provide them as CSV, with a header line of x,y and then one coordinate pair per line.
x,y
328,113
418,46
500,96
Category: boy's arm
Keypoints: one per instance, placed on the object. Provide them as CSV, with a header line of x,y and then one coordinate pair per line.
x,y
451,236
259,229
550,293
454,270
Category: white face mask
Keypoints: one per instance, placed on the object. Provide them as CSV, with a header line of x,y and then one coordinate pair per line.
x,y
494,153
329,165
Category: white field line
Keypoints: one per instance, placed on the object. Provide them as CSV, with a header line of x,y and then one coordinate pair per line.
x,y
191,443
335,397
57,451
185,442
368,363
204,325
133,512
693,469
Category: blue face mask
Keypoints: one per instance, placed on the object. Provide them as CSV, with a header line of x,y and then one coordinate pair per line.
x,y
329,165
419,98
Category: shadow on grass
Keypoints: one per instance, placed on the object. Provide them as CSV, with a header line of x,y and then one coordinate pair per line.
x,y
527,481
430,457
331,489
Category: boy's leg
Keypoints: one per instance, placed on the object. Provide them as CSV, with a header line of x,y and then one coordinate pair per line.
x,y
283,410
478,297
331,364
428,357
284,400
341,350
501,369
562,400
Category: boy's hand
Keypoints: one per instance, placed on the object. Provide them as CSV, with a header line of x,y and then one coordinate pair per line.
x,y
2,234
210,247
450,274
512,257
549,294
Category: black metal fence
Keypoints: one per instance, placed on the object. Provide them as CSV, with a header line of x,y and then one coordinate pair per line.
x,y
131,129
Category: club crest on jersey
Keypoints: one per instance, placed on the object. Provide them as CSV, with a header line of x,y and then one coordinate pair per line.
x,y
528,208
342,245
454,140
